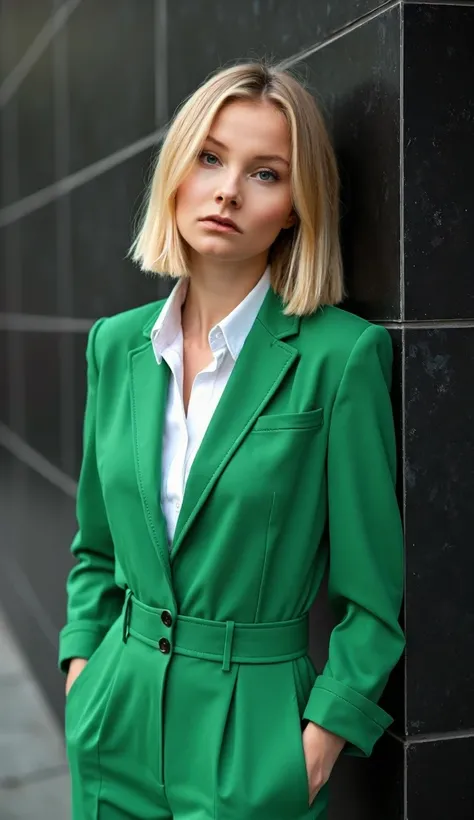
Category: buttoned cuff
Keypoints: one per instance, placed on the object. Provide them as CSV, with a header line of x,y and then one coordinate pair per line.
x,y
340,709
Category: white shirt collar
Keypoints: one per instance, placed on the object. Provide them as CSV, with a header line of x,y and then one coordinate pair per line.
x,y
234,327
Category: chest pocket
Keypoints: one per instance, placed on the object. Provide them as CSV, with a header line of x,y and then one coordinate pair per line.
x,y
308,420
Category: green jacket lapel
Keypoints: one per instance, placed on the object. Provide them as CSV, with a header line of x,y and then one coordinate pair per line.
x,y
148,392
262,364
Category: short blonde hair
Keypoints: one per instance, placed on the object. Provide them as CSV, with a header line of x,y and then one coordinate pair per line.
x,y
306,263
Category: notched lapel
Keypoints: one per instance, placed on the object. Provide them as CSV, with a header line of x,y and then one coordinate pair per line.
x,y
148,392
261,366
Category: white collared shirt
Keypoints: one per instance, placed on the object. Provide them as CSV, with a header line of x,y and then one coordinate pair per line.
x,y
183,435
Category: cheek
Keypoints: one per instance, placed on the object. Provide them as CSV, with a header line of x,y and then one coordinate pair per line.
x,y
187,195
269,216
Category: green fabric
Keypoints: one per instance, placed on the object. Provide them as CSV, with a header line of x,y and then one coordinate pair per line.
x,y
302,442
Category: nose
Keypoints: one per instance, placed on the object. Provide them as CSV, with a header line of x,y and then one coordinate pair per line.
x,y
228,194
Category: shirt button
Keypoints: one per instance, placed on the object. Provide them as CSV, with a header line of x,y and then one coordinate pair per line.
x,y
178,506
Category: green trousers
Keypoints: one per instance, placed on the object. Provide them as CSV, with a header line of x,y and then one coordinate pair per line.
x,y
193,720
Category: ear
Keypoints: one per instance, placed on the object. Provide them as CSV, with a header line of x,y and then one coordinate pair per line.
x,y
291,220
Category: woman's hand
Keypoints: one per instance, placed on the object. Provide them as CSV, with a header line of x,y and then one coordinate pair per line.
x,y
321,750
76,666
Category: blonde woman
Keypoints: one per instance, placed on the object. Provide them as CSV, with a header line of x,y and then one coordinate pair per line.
x,y
226,427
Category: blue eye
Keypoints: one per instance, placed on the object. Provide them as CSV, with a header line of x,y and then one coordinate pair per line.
x,y
207,154
274,176
266,171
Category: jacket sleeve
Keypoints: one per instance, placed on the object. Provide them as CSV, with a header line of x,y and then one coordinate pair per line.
x,y
366,561
93,599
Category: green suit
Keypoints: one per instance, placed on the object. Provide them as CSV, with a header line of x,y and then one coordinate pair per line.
x,y
199,683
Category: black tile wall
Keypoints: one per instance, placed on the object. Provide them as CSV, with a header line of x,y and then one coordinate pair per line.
x,y
43,393
35,117
38,261
38,523
3,376
439,779
222,33
439,471
439,208
393,80
111,69
102,212
357,79
21,23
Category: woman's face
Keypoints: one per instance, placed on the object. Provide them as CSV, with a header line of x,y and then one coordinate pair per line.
x,y
242,173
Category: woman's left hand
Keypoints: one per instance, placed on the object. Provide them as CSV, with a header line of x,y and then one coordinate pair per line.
x,y
321,750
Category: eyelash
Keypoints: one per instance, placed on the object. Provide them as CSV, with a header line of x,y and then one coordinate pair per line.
x,y
262,170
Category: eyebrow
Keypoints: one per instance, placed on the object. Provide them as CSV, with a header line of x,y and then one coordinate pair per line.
x,y
263,157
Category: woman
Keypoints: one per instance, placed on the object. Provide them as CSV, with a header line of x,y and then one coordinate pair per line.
x,y
225,428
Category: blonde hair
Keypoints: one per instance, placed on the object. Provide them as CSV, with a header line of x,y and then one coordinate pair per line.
x,y
306,263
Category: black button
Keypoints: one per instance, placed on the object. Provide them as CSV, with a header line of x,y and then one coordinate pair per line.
x,y
166,617
164,645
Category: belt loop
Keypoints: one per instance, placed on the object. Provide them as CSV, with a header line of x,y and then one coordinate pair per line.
x,y
229,634
126,615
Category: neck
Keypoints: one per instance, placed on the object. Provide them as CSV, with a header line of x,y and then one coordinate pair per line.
x,y
214,290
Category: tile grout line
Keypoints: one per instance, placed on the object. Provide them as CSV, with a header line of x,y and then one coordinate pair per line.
x,y
64,284
347,29
26,454
161,62
43,39
47,324
32,202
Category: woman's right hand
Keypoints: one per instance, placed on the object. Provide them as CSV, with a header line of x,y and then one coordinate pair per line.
x,y
76,666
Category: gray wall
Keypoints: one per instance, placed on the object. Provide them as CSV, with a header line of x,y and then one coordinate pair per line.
x,y
86,86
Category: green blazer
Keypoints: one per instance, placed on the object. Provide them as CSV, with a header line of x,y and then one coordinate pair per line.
x,y
301,445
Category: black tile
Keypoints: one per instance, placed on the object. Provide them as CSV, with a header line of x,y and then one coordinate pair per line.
x,y
16,382
356,77
3,272
35,141
43,393
3,376
103,214
20,23
439,473
38,524
111,69
39,268
439,779
439,169
9,149
223,32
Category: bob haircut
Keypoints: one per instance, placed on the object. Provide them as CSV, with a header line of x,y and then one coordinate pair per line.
x,y
305,259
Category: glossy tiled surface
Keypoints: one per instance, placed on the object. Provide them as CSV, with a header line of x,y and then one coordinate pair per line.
x,y
34,781
111,71
439,522
357,79
439,780
439,169
103,280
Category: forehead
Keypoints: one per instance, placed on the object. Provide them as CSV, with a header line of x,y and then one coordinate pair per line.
x,y
257,126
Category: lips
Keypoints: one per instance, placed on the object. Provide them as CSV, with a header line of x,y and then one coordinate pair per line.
x,y
229,223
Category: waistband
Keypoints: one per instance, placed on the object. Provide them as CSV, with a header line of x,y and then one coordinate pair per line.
x,y
222,641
